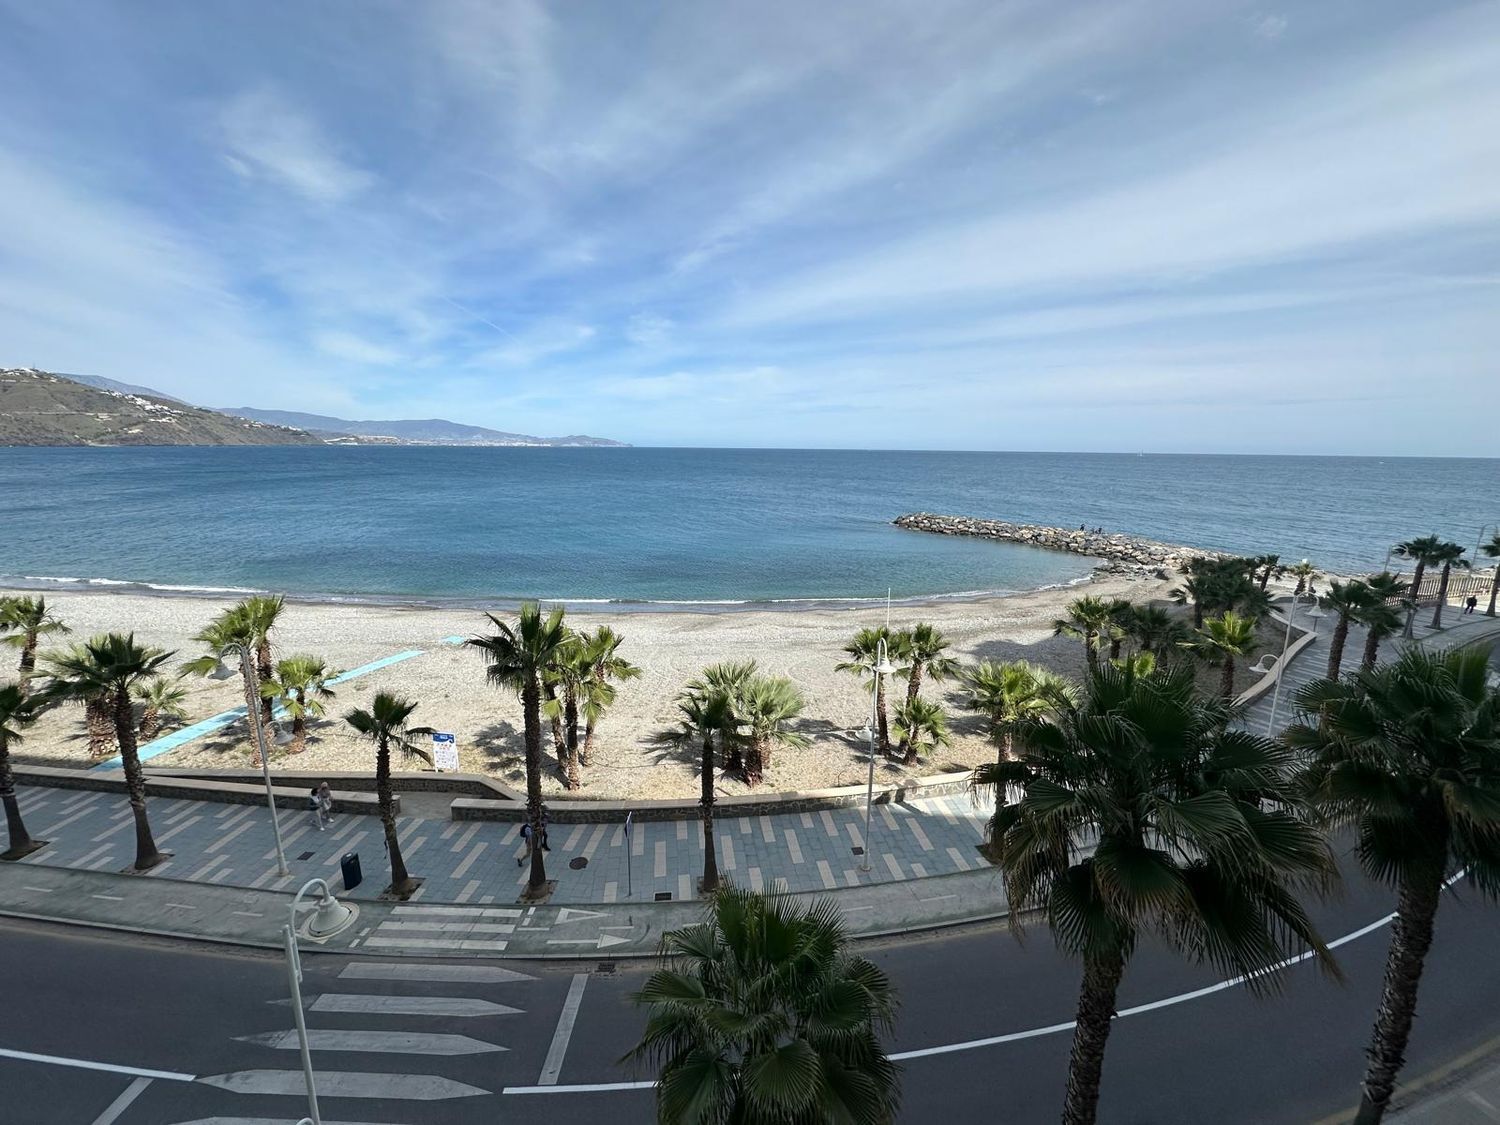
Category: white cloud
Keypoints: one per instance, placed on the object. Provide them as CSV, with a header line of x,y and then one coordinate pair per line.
x,y
266,136
648,329
346,345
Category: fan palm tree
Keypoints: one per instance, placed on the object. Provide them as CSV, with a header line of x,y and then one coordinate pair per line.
x,y
1491,550
261,613
300,685
1196,842
385,725
1447,555
1155,630
1348,600
229,637
1423,553
1117,631
762,1013
1087,619
109,667
1304,572
764,708
1008,692
1268,567
927,651
567,678
1409,754
17,711
1381,618
98,723
730,677
160,698
1223,639
518,658
705,713
863,653
30,620
608,666
921,727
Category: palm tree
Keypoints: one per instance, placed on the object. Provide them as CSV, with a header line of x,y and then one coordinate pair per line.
x,y
763,1013
1305,572
1380,618
1268,566
1423,552
1154,629
261,613
228,636
608,666
927,650
1449,555
160,698
109,667
300,685
31,620
1087,618
518,658
1008,692
1408,754
385,724
1348,600
1197,843
1491,550
570,674
863,652
730,677
17,711
705,713
99,726
764,708
1117,631
922,727
1223,638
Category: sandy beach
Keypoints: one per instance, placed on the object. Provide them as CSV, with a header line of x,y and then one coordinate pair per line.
x,y
448,681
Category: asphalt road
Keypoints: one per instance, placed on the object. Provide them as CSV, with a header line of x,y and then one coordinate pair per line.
x,y
1226,1057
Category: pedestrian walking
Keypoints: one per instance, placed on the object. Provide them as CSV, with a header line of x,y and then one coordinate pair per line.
x,y
325,806
1470,604
315,806
526,837
546,818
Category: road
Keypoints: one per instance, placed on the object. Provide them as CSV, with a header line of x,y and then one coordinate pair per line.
x,y
213,1016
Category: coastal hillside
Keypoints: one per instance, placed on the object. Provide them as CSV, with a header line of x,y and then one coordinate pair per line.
x,y
406,431
41,408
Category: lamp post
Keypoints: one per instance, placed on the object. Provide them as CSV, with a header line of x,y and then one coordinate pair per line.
x,y
252,711
329,918
881,667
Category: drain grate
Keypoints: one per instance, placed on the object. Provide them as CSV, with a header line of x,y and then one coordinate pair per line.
x,y
663,896
305,855
607,968
857,850
578,862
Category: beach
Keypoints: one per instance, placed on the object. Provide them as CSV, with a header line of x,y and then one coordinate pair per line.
x,y
448,682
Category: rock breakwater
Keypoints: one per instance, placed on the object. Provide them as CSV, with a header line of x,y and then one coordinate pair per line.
x,y
1120,553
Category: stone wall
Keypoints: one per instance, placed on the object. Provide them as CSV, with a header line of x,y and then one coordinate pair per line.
x,y
1119,552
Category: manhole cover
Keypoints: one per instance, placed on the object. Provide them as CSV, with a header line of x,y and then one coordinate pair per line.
x,y
663,896
305,855
578,862
858,851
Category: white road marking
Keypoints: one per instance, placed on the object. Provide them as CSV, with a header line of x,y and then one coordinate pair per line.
x,y
378,1042
38,890
438,945
345,1084
438,911
552,1067
603,941
448,974
570,914
110,898
85,1064
259,1121
468,861
355,1004
449,927
112,1111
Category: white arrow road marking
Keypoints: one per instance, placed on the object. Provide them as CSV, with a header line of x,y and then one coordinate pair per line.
x,y
438,944
568,914
345,1084
379,1042
457,911
448,974
448,927
603,941
403,1005
259,1121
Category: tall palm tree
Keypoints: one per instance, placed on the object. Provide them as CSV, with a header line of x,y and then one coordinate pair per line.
x,y
110,667
1304,572
1008,692
99,725
705,713
762,1013
863,654
161,699
570,674
730,677
1117,631
31,620
1348,600
1155,630
1491,550
1448,555
927,651
764,708
608,667
1222,639
1268,566
300,685
17,711
922,727
261,613
1409,754
1422,552
226,637
1381,618
385,725
1087,618
1196,842
518,658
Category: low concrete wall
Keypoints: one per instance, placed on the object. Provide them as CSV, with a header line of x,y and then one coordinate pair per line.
x,y
224,790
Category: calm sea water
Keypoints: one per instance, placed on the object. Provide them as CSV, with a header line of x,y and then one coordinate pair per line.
x,y
680,525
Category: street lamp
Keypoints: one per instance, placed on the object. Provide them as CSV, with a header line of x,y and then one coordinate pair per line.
x,y
1286,641
1316,615
882,667
221,671
329,917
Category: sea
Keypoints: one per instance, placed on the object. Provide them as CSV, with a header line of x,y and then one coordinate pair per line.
x,y
656,528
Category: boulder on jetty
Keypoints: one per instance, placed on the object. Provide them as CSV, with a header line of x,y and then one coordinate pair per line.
x,y
1120,553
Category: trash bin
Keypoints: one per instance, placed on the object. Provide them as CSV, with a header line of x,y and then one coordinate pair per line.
x,y
350,867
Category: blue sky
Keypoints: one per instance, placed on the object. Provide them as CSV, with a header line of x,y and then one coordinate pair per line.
x,y
1167,225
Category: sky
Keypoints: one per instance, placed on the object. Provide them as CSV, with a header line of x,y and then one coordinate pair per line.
x,y
1158,225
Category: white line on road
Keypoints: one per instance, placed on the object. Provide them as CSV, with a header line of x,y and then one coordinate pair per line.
x,y
345,1084
85,1064
559,1049
38,890
406,1005
379,1042
448,974
112,1111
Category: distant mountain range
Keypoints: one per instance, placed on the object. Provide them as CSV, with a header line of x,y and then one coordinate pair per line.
x,y
46,408
409,431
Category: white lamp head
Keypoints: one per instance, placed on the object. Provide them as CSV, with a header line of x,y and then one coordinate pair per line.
x,y
865,733
281,737
221,671
884,667
1264,664
330,916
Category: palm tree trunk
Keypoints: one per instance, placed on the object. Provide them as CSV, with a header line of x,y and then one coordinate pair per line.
x,y
1226,682
252,701
299,732
1265,577
570,729
21,843
1197,614
100,727
146,855
1416,592
150,723
402,884
586,753
28,660
885,730
264,673
1336,646
1114,647
1437,612
710,881
1494,589
1411,937
756,761
913,688
1090,652
559,742
1372,649
531,703
1096,1008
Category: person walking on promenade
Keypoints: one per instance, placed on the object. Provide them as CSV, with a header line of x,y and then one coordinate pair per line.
x,y
546,818
325,806
1470,604
526,838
